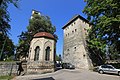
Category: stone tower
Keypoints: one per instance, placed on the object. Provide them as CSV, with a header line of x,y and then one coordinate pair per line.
x,y
74,51
35,12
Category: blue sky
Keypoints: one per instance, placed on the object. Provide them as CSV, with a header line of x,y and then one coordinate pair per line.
x,y
60,12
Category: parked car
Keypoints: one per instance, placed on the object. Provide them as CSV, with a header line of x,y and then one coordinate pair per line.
x,y
68,66
108,69
58,66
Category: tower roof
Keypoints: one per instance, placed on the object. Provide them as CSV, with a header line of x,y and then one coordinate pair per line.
x,y
73,19
43,34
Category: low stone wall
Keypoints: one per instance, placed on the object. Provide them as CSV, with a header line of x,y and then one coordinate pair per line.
x,y
40,67
8,68
21,68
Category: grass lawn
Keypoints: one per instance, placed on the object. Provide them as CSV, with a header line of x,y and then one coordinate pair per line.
x,y
6,77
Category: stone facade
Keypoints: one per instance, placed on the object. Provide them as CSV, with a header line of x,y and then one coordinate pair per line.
x,y
74,52
42,63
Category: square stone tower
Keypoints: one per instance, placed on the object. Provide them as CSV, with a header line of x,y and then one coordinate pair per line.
x,y
74,49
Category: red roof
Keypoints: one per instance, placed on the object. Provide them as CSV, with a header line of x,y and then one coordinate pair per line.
x,y
44,34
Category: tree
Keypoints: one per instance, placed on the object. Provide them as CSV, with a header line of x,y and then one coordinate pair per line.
x,y
58,58
105,17
38,23
8,50
4,15
6,47
24,44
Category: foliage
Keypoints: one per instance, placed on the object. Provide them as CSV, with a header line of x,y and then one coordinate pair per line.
x,y
24,43
4,15
38,23
8,50
105,17
58,58
6,44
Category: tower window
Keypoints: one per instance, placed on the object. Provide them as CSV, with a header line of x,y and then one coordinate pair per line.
x,y
75,48
74,22
68,27
71,24
68,34
75,30
67,49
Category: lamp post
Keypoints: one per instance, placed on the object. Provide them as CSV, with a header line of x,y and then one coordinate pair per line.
x,y
2,47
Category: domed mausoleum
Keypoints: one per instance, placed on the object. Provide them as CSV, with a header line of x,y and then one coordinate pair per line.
x,y
42,53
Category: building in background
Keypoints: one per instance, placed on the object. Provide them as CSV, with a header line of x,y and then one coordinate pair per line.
x,y
35,12
74,49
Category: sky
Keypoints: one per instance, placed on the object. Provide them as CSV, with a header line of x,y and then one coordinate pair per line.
x,y
59,11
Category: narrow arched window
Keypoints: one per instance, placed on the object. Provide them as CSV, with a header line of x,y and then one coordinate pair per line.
x,y
47,54
36,56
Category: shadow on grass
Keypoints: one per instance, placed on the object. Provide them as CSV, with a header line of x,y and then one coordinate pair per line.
x,y
49,78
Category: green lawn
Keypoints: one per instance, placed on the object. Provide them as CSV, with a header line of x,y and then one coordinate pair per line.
x,y
6,77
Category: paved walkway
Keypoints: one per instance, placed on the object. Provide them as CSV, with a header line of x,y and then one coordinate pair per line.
x,y
69,75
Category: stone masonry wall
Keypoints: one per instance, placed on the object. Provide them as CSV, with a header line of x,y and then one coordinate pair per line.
x,y
8,68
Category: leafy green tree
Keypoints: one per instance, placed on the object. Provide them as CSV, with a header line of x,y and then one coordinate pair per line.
x,y
38,23
58,58
8,50
105,17
4,15
23,47
6,44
